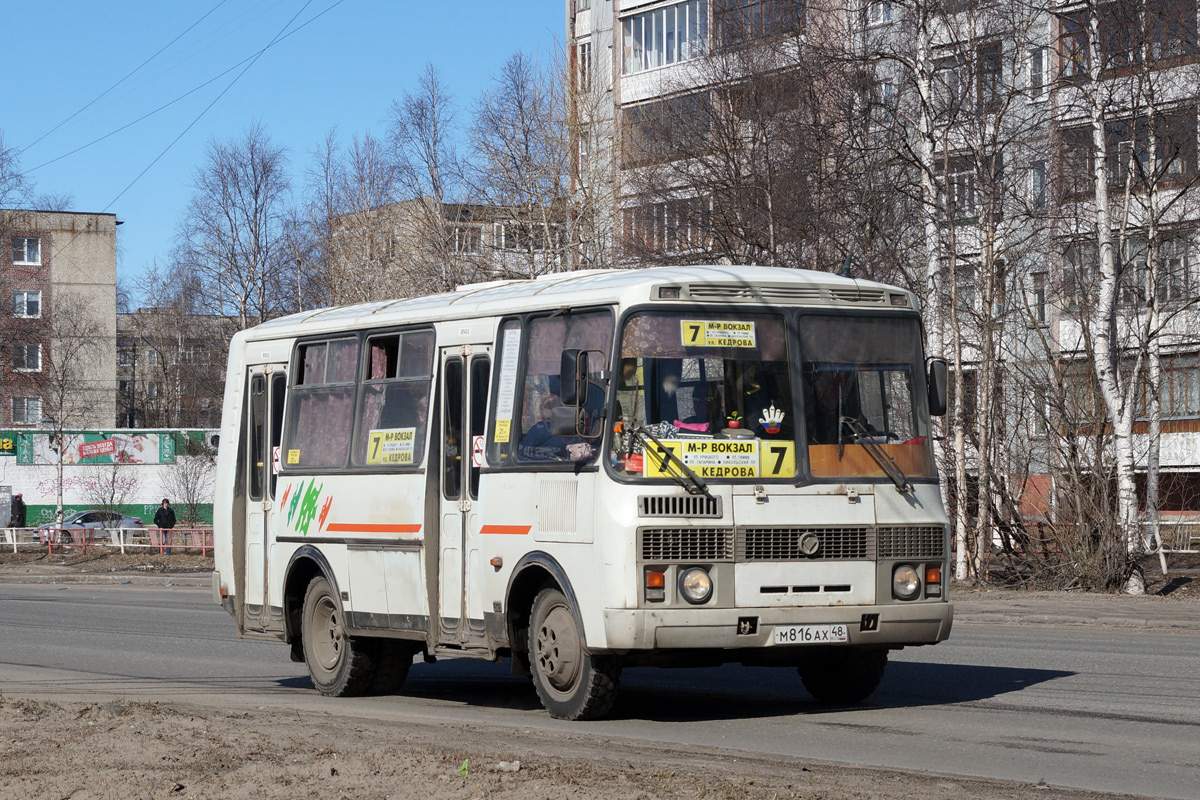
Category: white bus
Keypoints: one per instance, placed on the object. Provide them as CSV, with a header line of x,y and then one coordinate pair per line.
x,y
590,470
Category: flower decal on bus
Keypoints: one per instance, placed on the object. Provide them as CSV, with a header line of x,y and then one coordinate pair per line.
x,y
308,506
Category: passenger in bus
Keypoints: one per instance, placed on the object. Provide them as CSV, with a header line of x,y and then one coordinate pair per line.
x,y
540,444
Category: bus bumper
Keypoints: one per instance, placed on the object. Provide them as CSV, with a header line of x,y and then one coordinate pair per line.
x,y
741,628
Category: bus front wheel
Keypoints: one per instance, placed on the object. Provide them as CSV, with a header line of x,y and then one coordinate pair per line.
x,y
570,683
340,665
842,676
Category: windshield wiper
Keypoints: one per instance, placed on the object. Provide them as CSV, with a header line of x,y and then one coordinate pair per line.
x,y
885,461
693,483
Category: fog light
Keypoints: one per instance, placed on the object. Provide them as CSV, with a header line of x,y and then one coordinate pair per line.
x,y
905,582
656,586
695,585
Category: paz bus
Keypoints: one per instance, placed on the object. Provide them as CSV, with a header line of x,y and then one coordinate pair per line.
x,y
587,471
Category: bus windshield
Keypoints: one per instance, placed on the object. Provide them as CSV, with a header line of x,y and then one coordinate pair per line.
x,y
860,377
714,389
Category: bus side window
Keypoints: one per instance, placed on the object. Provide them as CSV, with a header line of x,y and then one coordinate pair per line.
x,y
258,435
481,368
321,405
393,402
278,394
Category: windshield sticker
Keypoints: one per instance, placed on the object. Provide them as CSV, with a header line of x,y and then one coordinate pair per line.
x,y
507,387
771,420
293,456
715,333
391,445
722,458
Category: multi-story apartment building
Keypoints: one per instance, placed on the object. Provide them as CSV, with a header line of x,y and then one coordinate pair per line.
x,y
58,277
981,115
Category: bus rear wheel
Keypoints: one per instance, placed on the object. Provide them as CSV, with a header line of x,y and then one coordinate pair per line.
x,y
843,676
570,683
340,665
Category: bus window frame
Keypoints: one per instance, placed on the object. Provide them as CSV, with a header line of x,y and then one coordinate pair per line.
x,y
294,368
515,464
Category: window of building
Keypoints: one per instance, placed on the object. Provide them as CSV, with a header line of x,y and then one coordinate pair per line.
x,y
741,21
1037,297
26,410
665,130
1040,411
1037,185
671,226
949,88
153,358
582,5
124,357
123,387
27,357
1139,152
664,36
583,55
1170,276
26,304
1037,72
958,184
466,238
26,250
1073,46
879,12
1178,388
153,389
990,77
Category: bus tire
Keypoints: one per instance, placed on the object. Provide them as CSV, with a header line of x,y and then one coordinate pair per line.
x,y
570,683
842,676
393,657
340,665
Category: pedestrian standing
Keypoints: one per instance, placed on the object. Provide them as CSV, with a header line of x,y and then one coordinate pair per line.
x,y
164,519
17,519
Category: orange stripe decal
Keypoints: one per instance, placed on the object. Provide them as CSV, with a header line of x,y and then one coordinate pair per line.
x,y
514,530
364,527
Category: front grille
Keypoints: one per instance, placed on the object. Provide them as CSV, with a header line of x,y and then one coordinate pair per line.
x,y
651,505
772,294
783,544
912,541
686,544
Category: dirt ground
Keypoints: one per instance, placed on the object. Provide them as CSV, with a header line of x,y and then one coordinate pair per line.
x,y
131,751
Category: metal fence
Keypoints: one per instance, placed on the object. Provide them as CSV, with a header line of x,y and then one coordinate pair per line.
x,y
164,542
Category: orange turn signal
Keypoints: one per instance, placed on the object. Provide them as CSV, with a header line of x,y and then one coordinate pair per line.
x,y
933,573
655,580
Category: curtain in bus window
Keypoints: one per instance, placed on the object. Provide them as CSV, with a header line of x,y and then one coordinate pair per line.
x,y
321,433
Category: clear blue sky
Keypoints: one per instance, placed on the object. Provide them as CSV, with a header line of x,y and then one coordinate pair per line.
x,y
344,69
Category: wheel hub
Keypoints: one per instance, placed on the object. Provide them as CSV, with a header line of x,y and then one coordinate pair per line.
x,y
557,649
328,635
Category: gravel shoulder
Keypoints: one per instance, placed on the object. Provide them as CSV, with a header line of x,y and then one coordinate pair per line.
x,y
139,750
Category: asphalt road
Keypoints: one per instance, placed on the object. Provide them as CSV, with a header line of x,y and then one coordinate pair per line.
x,y
1092,708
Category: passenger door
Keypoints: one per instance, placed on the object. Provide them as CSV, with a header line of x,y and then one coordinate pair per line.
x,y
465,377
264,427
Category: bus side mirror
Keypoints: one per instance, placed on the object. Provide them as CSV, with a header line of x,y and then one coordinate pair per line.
x,y
572,377
937,387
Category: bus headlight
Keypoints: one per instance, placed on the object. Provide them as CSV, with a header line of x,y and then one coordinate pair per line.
x,y
695,585
906,584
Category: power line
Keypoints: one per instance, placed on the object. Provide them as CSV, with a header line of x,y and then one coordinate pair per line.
x,y
251,58
125,78
192,124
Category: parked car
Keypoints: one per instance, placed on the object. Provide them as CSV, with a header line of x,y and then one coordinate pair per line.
x,y
82,526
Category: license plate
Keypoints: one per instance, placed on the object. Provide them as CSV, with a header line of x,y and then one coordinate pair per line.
x,y
810,634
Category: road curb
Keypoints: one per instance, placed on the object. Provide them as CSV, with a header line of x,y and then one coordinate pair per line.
x,y
187,581
1003,618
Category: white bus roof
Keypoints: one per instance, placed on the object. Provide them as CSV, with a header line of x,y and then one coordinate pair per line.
x,y
705,284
